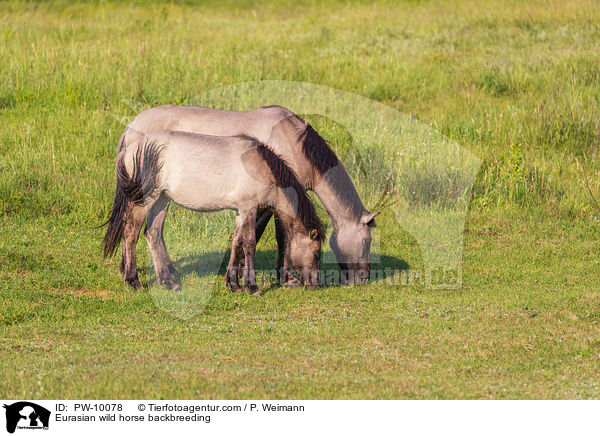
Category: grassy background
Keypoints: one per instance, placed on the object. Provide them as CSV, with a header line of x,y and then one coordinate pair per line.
x,y
516,83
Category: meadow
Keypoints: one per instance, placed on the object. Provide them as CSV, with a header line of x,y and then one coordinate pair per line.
x,y
515,83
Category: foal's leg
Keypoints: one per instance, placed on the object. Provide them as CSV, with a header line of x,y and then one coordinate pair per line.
x,y
153,233
134,219
231,275
280,236
284,277
160,243
263,215
123,256
249,243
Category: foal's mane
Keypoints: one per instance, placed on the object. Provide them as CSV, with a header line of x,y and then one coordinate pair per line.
x,y
286,178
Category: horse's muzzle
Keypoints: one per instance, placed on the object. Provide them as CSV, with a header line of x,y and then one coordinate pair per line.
x,y
355,273
312,279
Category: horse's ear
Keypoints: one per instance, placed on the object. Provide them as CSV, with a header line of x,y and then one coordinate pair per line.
x,y
369,219
313,234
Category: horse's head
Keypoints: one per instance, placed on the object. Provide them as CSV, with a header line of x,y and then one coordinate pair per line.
x,y
304,255
351,244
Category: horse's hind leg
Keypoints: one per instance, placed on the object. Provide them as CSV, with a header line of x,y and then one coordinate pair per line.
x,y
160,219
153,233
249,244
123,256
134,219
231,276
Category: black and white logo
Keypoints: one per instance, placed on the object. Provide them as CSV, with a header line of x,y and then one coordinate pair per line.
x,y
26,415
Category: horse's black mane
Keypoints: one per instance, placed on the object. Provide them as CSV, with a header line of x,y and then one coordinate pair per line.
x,y
286,178
316,150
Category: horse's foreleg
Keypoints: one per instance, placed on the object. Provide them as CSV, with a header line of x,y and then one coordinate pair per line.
x,y
263,215
249,244
283,272
153,233
231,275
134,219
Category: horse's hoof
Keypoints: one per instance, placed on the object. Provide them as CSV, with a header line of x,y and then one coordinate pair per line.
x,y
171,285
233,285
252,290
134,284
292,283
174,272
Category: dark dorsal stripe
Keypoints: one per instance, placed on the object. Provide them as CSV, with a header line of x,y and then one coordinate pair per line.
x,y
317,151
286,178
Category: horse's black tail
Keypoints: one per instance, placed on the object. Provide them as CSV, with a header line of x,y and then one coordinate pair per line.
x,y
116,221
131,189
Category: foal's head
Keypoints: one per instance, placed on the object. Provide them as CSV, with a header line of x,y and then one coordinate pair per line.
x,y
296,213
304,254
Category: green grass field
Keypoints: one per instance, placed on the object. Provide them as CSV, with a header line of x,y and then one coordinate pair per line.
x,y
516,83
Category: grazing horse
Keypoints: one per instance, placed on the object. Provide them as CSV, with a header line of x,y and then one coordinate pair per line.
x,y
210,173
316,165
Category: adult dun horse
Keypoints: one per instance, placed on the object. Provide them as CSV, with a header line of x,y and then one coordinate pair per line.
x,y
316,165
208,173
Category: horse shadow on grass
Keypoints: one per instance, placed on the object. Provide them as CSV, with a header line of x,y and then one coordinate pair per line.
x,y
265,261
